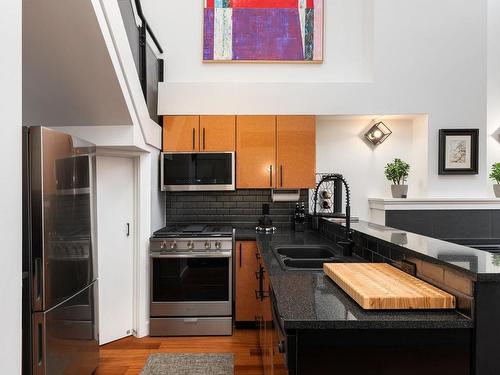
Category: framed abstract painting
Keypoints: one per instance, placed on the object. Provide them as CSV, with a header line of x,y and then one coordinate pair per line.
x,y
263,31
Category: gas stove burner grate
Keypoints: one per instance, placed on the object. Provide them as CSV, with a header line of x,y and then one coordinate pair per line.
x,y
194,229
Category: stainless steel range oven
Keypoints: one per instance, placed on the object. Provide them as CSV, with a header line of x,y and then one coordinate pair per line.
x,y
191,281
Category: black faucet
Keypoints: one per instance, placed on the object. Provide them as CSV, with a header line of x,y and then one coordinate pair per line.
x,y
347,244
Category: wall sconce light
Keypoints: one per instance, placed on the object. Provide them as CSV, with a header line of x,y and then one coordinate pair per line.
x,y
378,133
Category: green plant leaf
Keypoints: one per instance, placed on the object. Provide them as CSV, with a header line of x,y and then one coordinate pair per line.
x,y
495,173
397,171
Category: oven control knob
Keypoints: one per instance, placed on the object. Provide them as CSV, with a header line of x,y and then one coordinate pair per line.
x,y
163,245
173,245
208,245
190,245
218,245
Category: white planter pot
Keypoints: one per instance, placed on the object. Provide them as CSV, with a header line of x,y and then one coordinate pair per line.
x,y
399,191
496,189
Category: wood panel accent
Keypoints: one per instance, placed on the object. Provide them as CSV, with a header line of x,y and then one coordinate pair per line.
x,y
246,283
181,133
128,356
382,286
431,271
255,152
459,283
217,133
296,152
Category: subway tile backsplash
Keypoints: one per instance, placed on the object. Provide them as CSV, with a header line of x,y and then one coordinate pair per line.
x,y
240,208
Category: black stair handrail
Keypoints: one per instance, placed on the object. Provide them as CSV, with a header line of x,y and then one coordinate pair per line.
x,y
145,25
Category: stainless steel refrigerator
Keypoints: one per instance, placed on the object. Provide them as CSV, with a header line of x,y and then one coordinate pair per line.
x,y
60,327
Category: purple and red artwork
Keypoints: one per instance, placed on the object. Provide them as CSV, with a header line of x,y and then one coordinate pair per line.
x,y
263,30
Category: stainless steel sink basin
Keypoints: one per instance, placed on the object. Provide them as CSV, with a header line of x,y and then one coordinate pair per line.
x,y
306,252
305,257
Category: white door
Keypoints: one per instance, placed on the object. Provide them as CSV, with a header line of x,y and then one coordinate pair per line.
x,y
115,235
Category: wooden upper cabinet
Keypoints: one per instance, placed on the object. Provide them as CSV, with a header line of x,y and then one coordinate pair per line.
x,y
246,305
255,152
181,133
296,152
217,133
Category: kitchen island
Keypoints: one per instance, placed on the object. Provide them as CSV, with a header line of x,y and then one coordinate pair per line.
x,y
309,325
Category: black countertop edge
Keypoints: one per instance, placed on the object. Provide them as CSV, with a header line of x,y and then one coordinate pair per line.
x,y
310,300
430,249
314,325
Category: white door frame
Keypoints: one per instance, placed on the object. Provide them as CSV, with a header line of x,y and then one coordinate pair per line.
x,y
136,227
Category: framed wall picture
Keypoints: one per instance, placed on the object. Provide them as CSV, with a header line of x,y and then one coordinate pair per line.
x,y
458,151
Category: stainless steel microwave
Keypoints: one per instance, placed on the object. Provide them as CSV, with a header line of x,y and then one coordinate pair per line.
x,y
197,171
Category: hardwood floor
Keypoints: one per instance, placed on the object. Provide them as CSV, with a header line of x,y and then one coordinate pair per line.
x,y
128,356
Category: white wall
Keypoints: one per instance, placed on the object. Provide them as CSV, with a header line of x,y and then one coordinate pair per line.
x,y
427,57
493,84
341,148
348,53
10,188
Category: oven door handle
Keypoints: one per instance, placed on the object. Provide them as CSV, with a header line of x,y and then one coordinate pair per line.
x,y
227,254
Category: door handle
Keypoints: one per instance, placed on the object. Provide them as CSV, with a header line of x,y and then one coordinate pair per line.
x,y
271,175
194,134
240,256
203,138
38,344
281,175
128,229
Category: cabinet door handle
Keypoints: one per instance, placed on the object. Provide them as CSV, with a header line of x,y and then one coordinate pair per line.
x,y
271,175
128,229
240,256
194,135
261,295
281,175
203,138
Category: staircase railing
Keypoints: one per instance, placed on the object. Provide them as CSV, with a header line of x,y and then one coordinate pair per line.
x,y
149,66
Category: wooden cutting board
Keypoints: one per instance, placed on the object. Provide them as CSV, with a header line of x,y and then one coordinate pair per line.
x,y
380,286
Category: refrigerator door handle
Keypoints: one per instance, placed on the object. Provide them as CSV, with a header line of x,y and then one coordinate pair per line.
x,y
38,344
37,284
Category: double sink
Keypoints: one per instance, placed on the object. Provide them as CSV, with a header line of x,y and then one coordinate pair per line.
x,y
305,257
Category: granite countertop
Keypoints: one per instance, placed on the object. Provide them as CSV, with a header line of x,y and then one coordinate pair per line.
x,y
310,300
482,265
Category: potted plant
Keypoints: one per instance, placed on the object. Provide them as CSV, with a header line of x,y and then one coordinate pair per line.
x,y
397,172
495,176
